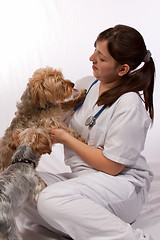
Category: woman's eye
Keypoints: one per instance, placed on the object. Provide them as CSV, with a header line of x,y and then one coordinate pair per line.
x,y
102,60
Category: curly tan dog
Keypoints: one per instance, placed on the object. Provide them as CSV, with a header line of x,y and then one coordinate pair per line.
x,y
48,96
19,183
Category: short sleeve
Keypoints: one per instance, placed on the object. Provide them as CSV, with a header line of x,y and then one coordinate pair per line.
x,y
126,133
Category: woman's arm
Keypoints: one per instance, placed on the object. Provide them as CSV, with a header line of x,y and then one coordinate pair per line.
x,y
92,156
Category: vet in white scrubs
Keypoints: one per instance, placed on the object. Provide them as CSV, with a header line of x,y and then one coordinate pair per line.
x,y
88,204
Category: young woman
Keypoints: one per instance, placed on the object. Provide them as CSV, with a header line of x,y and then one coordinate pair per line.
x,y
109,181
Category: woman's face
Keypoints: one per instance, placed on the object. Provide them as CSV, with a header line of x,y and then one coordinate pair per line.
x,y
105,67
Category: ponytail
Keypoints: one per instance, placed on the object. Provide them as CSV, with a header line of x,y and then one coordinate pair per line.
x,y
148,92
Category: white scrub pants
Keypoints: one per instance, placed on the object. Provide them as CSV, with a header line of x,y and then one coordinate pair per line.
x,y
86,207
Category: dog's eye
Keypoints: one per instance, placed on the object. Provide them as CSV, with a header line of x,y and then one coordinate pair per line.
x,y
61,81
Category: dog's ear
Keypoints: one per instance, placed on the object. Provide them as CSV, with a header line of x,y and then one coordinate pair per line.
x,y
41,86
37,97
41,145
15,139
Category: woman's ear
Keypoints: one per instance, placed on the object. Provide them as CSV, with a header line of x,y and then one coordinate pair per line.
x,y
124,69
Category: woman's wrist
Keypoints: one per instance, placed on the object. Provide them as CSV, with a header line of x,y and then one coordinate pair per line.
x,y
68,139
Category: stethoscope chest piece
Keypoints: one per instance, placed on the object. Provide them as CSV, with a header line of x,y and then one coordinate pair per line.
x,y
90,122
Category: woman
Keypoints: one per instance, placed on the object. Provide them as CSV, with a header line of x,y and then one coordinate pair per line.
x,y
110,179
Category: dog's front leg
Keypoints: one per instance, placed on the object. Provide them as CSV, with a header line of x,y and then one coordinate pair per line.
x,y
5,155
39,187
75,135
71,104
71,132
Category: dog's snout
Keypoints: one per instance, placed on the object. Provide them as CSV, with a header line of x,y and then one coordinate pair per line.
x,y
70,83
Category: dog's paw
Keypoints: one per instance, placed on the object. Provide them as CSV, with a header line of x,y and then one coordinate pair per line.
x,y
82,93
2,169
39,188
82,139
79,137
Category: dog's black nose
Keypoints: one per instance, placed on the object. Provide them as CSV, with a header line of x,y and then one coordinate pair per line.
x,y
72,84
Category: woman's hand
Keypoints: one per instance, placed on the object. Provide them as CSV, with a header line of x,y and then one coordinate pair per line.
x,y
58,135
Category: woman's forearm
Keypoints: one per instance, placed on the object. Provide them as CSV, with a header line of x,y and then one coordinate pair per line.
x,y
93,156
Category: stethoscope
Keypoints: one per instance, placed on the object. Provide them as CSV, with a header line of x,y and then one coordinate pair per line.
x,y
91,120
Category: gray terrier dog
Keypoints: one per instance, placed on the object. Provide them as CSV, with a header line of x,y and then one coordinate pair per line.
x,y
19,183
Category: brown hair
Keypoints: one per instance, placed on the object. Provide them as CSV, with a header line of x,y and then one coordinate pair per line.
x,y
126,46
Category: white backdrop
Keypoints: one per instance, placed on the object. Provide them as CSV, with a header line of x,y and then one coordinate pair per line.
x,y
61,33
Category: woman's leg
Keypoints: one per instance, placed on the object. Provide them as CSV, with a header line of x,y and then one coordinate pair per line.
x,y
76,208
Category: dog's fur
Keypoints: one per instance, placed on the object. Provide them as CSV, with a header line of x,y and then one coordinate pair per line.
x,y
42,104
19,183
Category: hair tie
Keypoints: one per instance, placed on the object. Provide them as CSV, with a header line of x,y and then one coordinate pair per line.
x,y
147,57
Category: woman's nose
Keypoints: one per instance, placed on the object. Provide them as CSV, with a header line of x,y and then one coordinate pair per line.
x,y
92,58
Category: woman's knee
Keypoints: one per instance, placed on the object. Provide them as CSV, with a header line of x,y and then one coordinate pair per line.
x,y
53,199
46,203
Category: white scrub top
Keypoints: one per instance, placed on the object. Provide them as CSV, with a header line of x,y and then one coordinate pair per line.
x,y
120,131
